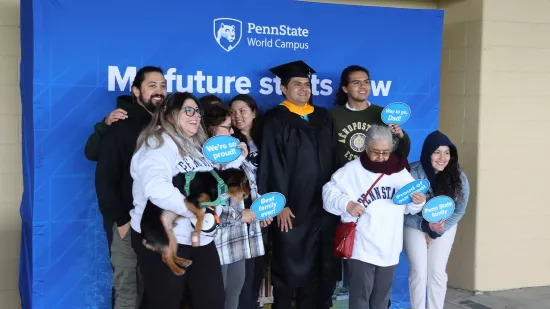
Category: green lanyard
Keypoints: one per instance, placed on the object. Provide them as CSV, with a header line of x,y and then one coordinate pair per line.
x,y
222,189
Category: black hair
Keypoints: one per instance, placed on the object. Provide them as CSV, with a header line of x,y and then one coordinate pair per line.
x,y
214,116
140,76
341,97
448,181
255,131
209,99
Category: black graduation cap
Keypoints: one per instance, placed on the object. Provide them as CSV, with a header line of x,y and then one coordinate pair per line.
x,y
292,69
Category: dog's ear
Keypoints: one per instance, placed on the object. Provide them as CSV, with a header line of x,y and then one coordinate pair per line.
x,y
238,193
237,183
233,177
239,189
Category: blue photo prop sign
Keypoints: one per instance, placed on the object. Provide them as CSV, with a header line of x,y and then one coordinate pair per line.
x,y
403,196
268,205
396,113
221,149
438,208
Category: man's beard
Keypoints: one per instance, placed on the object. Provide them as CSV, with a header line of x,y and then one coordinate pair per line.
x,y
148,104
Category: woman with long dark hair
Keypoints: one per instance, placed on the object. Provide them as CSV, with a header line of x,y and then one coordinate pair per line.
x,y
245,118
428,245
239,238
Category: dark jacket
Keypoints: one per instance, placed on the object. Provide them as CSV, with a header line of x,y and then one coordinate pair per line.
x,y
91,150
113,181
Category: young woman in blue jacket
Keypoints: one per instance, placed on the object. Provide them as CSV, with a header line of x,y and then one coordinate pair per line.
x,y
428,245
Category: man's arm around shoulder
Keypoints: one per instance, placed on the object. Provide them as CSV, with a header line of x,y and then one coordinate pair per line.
x,y
91,151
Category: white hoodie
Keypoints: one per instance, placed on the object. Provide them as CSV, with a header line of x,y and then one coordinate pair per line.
x,y
379,235
152,170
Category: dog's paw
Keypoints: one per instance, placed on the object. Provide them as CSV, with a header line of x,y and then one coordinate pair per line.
x,y
182,262
187,263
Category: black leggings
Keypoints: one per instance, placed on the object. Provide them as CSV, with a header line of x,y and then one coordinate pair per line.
x,y
202,281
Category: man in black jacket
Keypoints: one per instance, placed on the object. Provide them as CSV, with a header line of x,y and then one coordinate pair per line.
x,y
114,183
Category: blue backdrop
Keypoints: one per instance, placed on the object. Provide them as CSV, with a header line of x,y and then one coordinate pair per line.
x,y
77,56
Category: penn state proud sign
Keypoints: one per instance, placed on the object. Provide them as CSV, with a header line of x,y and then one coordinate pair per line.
x,y
403,196
221,149
438,208
396,113
268,205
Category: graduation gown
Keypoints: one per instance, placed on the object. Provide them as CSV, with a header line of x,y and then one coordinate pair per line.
x,y
298,158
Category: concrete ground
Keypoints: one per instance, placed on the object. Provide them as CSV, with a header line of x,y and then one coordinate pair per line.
x,y
528,298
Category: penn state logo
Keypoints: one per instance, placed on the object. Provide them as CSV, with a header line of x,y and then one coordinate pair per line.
x,y
228,32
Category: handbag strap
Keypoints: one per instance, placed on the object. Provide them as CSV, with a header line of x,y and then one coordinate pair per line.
x,y
368,191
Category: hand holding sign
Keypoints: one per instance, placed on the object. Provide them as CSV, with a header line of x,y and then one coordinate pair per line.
x,y
266,222
438,208
221,149
418,198
249,216
396,113
244,149
403,196
438,227
268,205
396,130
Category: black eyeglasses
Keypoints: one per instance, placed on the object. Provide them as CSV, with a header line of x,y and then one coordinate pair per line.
x,y
189,111
228,128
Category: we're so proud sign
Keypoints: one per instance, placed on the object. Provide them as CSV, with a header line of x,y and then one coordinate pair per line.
x,y
221,149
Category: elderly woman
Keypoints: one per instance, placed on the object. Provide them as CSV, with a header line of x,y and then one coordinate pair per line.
x,y
379,236
428,245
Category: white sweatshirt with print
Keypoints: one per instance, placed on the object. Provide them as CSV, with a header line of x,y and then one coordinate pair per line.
x,y
152,170
379,235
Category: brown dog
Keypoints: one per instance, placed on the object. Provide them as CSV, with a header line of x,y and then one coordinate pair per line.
x,y
157,223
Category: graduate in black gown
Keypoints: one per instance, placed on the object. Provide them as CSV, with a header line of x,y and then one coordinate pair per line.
x,y
298,158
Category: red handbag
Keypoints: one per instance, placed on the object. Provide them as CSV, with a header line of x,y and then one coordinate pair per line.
x,y
345,233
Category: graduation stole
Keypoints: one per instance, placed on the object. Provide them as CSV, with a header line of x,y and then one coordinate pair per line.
x,y
301,111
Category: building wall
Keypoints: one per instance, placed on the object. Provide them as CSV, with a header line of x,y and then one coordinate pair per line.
x,y
11,177
459,119
512,232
